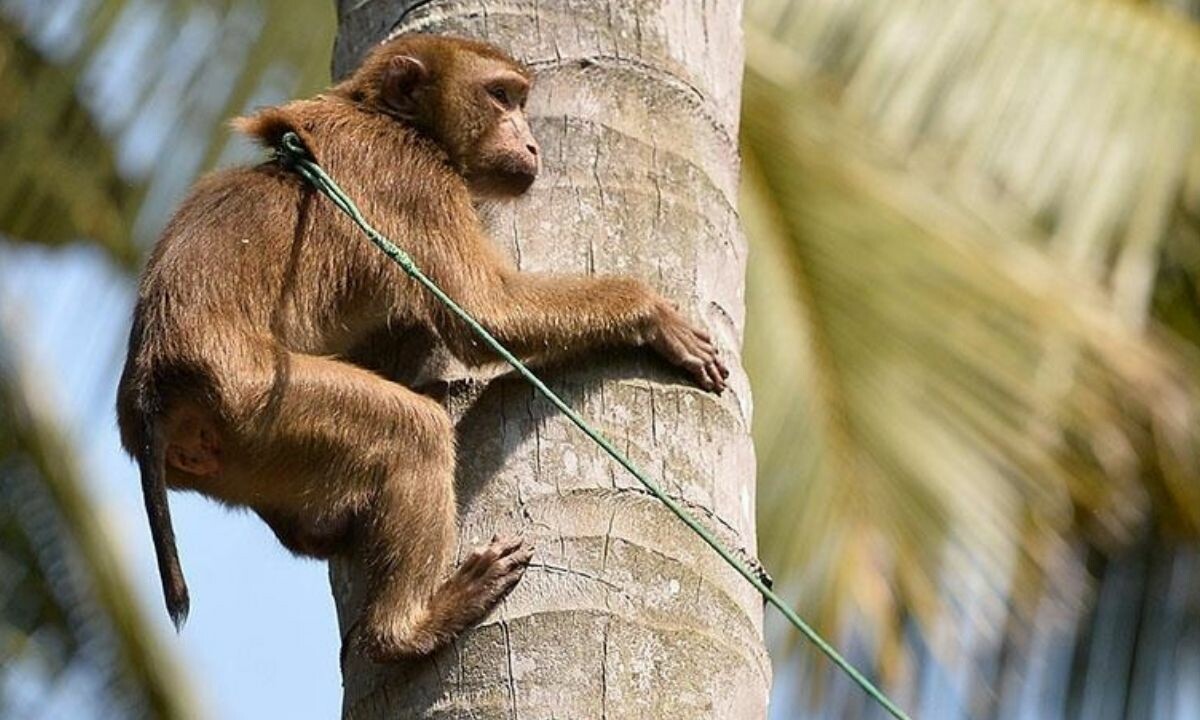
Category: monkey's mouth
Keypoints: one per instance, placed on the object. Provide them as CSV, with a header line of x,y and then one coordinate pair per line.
x,y
502,182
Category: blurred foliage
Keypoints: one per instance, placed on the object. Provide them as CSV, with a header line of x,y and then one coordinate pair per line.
x,y
974,264
63,594
60,181
96,147
111,109
973,301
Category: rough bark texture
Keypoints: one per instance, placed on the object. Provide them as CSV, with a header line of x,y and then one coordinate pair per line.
x,y
624,613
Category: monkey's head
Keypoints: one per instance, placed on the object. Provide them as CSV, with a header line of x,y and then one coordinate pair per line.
x,y
467,96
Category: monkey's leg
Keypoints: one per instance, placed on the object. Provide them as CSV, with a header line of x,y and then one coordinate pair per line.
x,y
399,621
324,442
308,539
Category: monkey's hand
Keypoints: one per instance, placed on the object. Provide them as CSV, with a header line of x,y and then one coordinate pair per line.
x,y
685,345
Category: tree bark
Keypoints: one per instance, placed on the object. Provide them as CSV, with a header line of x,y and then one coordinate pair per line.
x,y
624,613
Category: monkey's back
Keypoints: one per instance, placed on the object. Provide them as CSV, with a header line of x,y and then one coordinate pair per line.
x,y
255,260
238,269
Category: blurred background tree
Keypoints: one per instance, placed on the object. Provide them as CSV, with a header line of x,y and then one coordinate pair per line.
x,y
974,335
111,110
974,323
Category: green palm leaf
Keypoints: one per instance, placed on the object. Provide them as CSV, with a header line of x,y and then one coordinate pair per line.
x,y
105,122
67,599
94,150
60,182
958,211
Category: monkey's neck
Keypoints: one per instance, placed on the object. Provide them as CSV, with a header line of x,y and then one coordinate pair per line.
x,y
363,148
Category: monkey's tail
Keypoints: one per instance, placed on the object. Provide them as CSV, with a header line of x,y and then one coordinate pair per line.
x,y
151,460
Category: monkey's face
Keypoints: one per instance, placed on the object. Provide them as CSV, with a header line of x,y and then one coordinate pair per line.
x,y
501,158
473,105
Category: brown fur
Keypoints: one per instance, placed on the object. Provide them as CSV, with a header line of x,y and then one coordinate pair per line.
x,y
236,384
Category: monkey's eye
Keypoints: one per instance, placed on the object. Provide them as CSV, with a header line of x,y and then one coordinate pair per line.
x,y
500,94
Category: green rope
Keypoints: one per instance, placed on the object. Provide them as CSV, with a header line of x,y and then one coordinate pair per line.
x,y
293,153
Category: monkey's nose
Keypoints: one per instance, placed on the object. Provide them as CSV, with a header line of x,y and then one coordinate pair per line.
x,y
533,149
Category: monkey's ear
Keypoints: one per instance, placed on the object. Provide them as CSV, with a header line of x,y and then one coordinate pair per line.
x,y
402,76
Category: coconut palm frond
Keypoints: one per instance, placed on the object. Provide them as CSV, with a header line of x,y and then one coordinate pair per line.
x,y
67,599
112,108
1080,115
98,148
60,182
954,261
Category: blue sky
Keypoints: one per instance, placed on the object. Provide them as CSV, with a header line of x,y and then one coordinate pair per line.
x,y
261,641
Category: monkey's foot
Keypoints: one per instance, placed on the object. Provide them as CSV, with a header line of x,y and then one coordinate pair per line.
x,y
487,575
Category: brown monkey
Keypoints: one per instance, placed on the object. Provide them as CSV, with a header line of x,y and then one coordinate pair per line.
x,y
236,383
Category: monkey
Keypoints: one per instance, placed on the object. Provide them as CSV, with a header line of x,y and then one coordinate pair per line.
x,y
239,384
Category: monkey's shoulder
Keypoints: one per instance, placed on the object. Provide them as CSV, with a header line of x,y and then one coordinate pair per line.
x,y
228,232
240,200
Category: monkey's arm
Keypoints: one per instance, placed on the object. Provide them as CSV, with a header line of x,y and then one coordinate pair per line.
x,y
546,318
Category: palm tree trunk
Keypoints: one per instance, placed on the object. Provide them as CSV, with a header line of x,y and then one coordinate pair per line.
x,y
625,613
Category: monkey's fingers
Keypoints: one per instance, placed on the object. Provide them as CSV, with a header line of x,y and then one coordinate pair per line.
x,y
516,560
482,559
717,366
693,350
504,573
504,584
706,349
713,370
505,544
704,363
696,367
